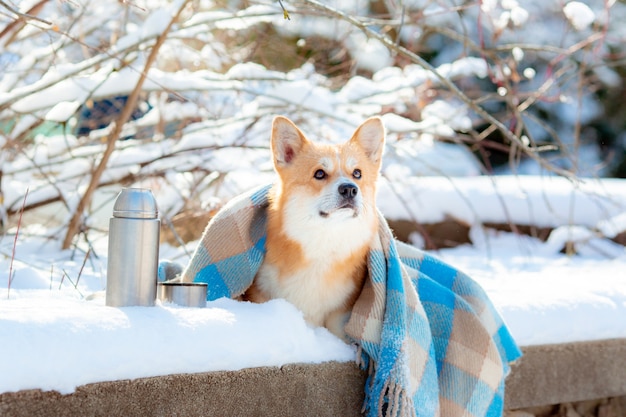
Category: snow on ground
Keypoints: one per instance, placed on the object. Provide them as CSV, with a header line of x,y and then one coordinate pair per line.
x,y
545,296
55,342
57,335
529,200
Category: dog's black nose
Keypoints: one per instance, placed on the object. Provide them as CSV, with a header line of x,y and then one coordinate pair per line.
x,y
348,190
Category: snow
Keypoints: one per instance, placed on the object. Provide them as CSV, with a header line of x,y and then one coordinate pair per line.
x,y
545,296
62,111
579,14
527,200
613,226
70,342
58,333
369,54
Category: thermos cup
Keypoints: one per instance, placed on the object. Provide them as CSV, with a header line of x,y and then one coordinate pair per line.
x,y
133,249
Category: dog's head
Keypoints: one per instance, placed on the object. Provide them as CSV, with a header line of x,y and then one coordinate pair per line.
x,y
328,181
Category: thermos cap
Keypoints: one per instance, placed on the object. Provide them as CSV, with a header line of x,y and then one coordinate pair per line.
x,y
135,203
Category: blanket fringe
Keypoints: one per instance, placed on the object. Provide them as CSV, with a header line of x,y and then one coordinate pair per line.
x,y
393,399
399,402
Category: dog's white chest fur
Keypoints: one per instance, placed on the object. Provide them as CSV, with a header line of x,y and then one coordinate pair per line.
x,y
306,290
324,241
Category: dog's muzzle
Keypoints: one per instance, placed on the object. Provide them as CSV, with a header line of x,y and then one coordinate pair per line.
x,y
347,197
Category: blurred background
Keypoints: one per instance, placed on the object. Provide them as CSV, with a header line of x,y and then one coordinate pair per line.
x,y
178,96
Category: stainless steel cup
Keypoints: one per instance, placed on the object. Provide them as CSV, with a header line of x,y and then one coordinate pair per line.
x,y
187,294
133,249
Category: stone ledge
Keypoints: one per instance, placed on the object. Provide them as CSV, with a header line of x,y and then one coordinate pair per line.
x,y
548,374
569,372
328,389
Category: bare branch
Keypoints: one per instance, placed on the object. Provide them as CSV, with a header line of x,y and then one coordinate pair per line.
x,y
77,218
416,59
21,15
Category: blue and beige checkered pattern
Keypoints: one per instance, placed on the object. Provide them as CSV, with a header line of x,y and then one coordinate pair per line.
x,y
428,335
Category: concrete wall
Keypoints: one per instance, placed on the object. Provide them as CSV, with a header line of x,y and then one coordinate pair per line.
x,y
549,374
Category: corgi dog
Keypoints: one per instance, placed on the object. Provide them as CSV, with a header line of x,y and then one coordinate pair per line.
x,y
322,219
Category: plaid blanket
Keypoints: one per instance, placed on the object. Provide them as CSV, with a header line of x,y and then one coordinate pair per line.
x,y
429,337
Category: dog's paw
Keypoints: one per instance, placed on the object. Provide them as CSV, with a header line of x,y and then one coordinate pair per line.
x,y
169,271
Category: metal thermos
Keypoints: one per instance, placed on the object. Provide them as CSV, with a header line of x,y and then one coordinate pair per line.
x,y
133,249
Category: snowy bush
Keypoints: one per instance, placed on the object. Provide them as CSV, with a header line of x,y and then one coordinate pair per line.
x,y
179,96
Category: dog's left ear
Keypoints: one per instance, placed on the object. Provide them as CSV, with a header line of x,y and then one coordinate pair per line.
x,y
370,136
286,142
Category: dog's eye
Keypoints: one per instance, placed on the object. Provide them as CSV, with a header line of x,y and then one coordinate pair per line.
x,y
319,174
356,173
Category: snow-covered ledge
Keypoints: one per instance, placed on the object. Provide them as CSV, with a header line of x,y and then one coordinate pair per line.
x,y
70,355
548,374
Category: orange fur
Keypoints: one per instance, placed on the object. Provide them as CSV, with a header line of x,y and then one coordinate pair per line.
x,y
320,229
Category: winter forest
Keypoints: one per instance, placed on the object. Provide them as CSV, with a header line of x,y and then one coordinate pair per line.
x,y
178,95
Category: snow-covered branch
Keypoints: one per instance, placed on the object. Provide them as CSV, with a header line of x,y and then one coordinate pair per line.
x,y
483,87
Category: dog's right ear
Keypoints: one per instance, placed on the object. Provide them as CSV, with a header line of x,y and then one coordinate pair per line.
x,y
287,140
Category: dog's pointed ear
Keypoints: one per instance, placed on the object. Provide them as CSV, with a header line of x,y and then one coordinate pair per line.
x,y
287,140
370,136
